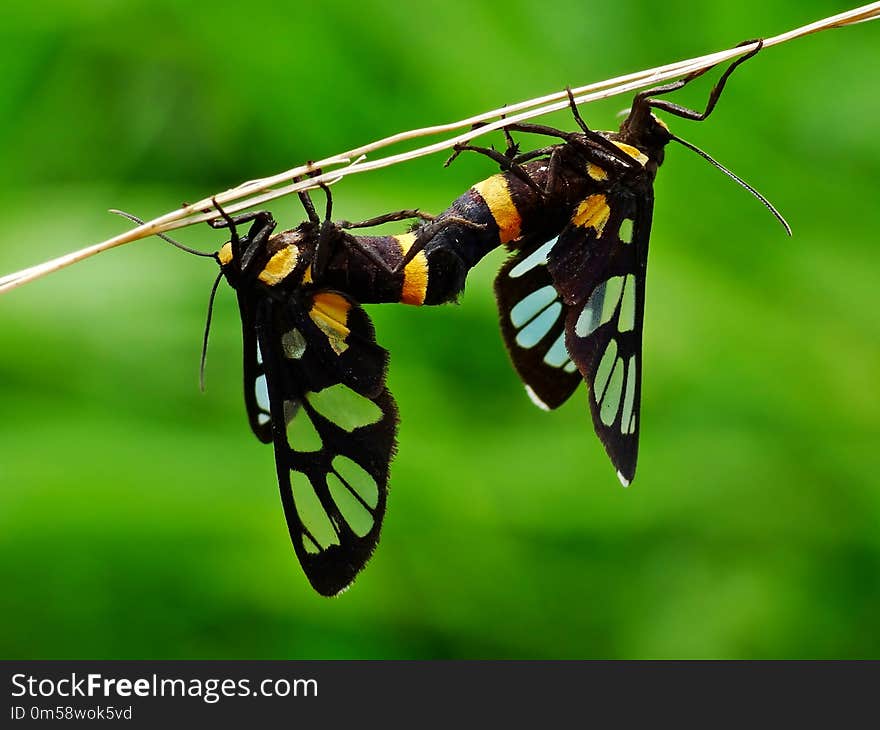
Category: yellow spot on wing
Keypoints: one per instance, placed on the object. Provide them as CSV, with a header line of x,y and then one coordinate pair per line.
x,y
225,254
279,266
596,172
307,275
633,152
593,211
330,313
495,192
415,275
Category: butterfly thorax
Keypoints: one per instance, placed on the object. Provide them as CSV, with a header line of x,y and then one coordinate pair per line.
x,y
279,265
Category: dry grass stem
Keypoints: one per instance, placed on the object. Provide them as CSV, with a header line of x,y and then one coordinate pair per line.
x,y
356,161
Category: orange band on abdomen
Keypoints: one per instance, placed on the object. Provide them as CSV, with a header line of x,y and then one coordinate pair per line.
x,y
415,275
496,193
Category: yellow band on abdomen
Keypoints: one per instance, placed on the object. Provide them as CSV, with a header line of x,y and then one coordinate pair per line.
x,y
496,193
415,275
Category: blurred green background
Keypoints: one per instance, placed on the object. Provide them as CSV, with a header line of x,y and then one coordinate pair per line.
x,y
139,518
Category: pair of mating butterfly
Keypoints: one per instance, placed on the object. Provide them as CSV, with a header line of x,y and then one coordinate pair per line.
x,y
576,216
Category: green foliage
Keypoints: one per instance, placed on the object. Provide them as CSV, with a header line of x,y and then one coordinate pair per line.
x,y
139,518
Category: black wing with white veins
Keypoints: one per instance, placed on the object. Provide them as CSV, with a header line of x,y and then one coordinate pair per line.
x,y
598,266
533,325
333,423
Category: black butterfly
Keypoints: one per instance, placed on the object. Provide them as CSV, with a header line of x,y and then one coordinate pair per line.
x,y
314,387
573,301
314,375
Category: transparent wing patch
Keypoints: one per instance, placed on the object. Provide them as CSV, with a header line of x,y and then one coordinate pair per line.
x,y
533,319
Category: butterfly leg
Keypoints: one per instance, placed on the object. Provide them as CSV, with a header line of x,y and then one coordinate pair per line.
x,y
369,252
511,152
331,234
230,222
504,162
596,147
261,229
305,198
328,236
595,137
355,244
645,97
308,205
400,215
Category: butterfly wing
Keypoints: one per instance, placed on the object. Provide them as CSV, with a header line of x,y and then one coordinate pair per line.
x,y
598,266
256,391
334,428
533,325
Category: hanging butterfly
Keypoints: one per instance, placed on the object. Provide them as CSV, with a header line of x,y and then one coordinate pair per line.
x,y
314,376
314,388
572,300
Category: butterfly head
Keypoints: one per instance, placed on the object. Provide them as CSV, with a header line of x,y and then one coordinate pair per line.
x,y
644,130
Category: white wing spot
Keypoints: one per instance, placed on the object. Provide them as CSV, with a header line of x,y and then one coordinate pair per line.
x,y
537,329
536,258
261,391
536,400
529,307
557,355
623,480
600,306
569,367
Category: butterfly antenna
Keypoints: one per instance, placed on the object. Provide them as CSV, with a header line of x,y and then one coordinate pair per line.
x,y
737,180
135,219
207,331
